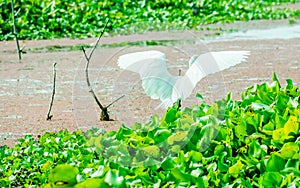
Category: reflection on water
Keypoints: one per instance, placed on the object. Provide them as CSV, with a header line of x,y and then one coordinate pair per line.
x,y
287,32
188,37
13,117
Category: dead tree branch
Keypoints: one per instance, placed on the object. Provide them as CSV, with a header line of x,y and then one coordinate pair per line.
x,y
104,109
88,80
15,33
104,112
53,93
115,101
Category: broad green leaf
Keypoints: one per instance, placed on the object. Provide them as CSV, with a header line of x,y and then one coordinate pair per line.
x,y
195,156
275,163
161,135
223,162
180,176
291,126
123,132
282,101
168,164
63,175
279,121
255,149
279,135
293,163
289,84
264,94
92,183
219,149
241,130
271,179
171,115
288,150
269,126
275,79
236,169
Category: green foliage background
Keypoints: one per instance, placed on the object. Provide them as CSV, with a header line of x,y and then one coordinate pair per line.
x,y
48,19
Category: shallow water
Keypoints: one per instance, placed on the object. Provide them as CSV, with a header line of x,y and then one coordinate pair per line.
x,y
282,32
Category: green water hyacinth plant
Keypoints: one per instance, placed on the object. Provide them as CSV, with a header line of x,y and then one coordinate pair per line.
x,y
80,19
253,142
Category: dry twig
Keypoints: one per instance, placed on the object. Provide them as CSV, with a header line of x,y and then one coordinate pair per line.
x,y
53,93
15,33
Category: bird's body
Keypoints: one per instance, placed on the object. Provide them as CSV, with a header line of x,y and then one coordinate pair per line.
x,y
158,83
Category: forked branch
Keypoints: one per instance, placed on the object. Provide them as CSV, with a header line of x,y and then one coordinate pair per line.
x,y
104,109
115,101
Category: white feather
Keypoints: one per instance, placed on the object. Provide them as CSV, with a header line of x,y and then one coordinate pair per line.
x,y
158,83
204,65
151,65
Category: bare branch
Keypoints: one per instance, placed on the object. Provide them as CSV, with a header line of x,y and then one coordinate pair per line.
x,y
97,42
88,80
53,93
104,113
179,101
15,30
85,55
115,101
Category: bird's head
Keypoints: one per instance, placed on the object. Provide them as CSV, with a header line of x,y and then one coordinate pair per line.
x,y
192,60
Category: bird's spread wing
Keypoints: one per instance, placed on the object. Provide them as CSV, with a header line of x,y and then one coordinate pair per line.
x,y
151,65
204,65
217,61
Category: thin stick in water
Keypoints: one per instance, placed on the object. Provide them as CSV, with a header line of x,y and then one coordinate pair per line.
x,y
15,30
53,93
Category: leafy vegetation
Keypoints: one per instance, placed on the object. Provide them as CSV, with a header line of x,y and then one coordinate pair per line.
x,y
254,142
60,18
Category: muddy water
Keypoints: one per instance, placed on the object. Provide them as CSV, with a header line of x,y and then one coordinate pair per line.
x,y
282,32
26,86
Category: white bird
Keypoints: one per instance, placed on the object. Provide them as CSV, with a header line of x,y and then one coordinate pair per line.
x,y
158,83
